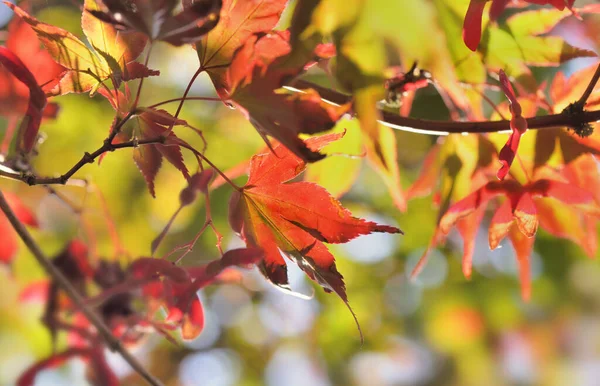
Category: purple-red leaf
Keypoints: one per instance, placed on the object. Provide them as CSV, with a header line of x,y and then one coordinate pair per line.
x,y
156,20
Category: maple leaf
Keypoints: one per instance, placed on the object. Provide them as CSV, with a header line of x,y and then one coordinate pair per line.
x,y
156,20
294,218
14,94
564,91
253,81
238,22
111,57
558,143
453,168
527,206
513,45
8,237
37,100
248,65
177,292
155,124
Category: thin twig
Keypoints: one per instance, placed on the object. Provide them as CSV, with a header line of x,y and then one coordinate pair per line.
x,y
211,99
446,127
139,90
112,342
203,157
590,88
184,97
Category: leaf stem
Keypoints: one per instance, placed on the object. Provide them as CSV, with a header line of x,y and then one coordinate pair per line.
x,y
213,99
184,97
221,173
139,90
113,343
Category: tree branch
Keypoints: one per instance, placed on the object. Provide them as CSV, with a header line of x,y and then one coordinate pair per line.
x,y
32,179
112,342
590,88
448,127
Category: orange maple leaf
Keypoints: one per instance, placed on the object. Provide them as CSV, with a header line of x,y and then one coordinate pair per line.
x,y
295,218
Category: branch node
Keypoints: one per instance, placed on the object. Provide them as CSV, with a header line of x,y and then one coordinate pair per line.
x,y
88,158
29,178
108,145
575,112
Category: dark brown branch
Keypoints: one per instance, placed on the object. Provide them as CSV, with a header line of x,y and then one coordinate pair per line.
x,y
112,342
32,179
590,88
443,127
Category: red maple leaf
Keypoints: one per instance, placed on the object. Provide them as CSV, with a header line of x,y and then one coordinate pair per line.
x,y
541,202
153,124
14,94
177,291
254,80
239,21
249,64
294,218
26,74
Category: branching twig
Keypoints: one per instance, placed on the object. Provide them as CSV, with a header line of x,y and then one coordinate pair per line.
x,y
112,342
446,127
32,179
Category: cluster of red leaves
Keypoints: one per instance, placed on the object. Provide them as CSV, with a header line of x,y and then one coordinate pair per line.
x,y
526,206
83,342
277,217
472,23
153,282
561,198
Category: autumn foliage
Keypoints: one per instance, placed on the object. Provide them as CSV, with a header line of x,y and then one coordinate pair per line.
x,y
543,176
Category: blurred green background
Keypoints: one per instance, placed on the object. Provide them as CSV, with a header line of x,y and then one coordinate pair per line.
x,y
439,330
